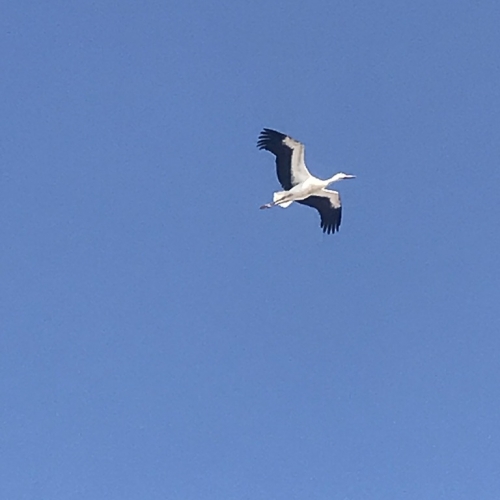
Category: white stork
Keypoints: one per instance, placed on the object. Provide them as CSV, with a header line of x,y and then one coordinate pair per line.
x,y
298,183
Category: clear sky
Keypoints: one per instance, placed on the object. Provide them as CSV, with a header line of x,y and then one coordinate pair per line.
x,y
162,338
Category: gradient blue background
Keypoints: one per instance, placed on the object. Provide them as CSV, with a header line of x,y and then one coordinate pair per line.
x,y
162,338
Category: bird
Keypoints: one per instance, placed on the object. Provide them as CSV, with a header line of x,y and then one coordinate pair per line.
x,y
298,183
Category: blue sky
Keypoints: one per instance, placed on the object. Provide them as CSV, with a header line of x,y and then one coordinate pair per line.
x,y
163,338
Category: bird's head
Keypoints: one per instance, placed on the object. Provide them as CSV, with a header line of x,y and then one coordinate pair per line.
x,y
340,177
343,176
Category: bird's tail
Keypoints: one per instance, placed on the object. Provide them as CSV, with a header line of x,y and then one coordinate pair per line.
x,y
278,195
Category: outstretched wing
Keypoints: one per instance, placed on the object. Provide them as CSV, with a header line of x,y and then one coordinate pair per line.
x,y
289,153
329,206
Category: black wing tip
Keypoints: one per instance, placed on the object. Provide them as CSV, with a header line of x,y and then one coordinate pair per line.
x,y
331,224
269,137
330,228
330,217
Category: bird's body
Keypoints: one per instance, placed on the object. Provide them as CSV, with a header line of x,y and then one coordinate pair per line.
x,y
298,184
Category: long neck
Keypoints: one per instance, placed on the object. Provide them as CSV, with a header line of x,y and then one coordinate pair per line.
x,y
335,178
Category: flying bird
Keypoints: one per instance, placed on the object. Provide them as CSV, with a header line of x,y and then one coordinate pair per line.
x,y
298,184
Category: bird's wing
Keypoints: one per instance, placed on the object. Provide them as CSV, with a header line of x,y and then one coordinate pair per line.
x,y
329,206
289,153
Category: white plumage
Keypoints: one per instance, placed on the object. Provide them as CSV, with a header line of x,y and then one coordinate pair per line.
x,y
298,183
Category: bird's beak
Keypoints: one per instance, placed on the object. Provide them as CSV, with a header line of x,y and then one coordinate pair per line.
x,y
350,177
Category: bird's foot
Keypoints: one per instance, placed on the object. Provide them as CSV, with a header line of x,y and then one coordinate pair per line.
x,y
267,205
